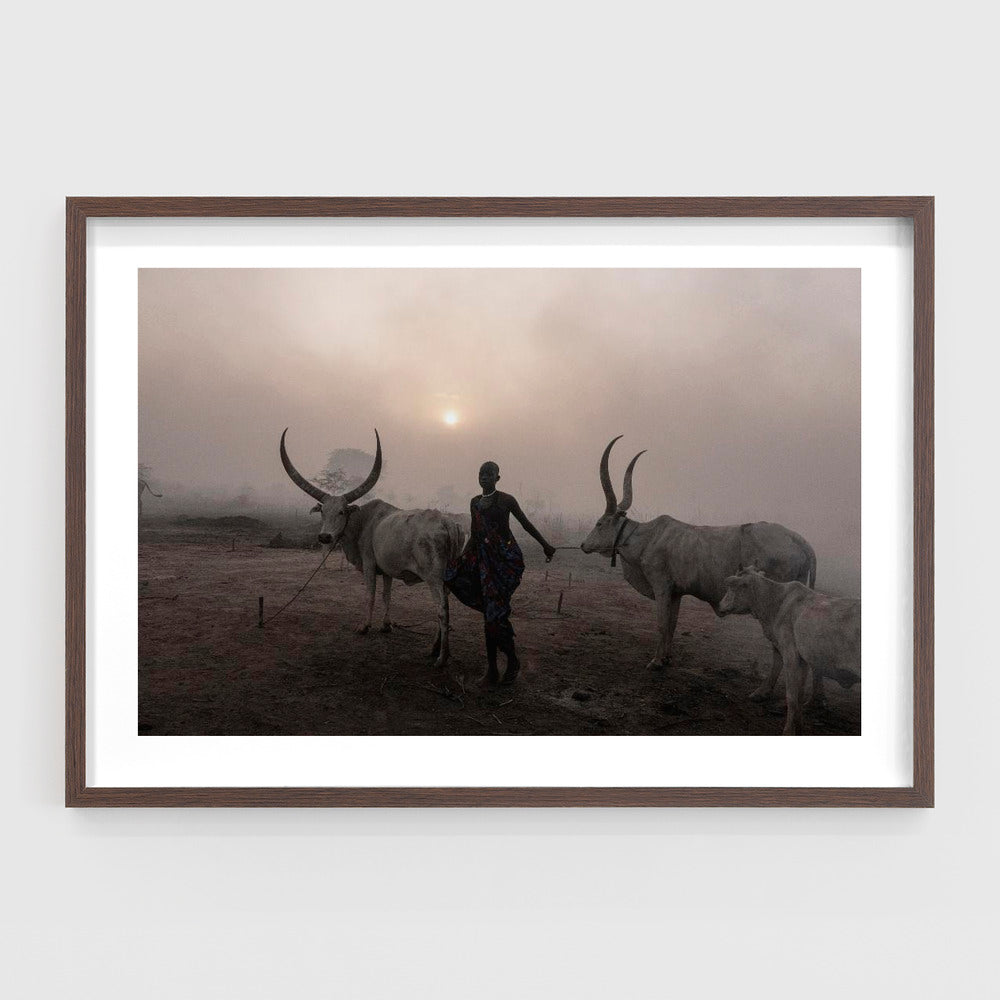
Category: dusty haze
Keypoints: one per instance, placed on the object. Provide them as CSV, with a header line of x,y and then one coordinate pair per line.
x,y
744,386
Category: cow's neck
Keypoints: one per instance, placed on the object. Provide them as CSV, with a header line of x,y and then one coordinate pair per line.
x,y
630,543
768,596
350,541
358,520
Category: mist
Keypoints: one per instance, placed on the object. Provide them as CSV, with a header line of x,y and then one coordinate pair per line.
x,y
743,385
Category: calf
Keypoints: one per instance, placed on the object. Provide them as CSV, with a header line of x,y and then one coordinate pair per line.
x,y
808,630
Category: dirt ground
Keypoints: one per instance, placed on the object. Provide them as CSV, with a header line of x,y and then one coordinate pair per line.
x,y
205,668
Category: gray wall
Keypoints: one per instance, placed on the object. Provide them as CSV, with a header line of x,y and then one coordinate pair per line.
x,y
457,99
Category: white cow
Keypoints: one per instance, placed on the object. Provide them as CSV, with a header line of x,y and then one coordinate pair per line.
x,y
382,540
664,559
809,631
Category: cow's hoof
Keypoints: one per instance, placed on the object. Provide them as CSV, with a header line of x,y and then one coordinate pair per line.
x,y
362,630
490,681
386,627
440,663
759,695
655,664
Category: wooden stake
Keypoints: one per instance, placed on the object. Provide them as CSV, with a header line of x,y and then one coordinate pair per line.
x,y
260,611
559,604
569,586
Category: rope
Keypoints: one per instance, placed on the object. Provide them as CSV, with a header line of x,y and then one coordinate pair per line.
x,y
408,628
299,591
412,626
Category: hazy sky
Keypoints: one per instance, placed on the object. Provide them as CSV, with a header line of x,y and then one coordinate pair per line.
x,y
744,385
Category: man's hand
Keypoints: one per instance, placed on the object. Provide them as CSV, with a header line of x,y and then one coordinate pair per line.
x,y
549,552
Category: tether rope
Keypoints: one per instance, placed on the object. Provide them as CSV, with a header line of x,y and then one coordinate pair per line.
x,y
299,591
409,628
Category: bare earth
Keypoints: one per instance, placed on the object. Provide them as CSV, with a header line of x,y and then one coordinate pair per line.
x,y
205,668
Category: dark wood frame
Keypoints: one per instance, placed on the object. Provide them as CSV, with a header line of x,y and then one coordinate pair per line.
x,y
918,209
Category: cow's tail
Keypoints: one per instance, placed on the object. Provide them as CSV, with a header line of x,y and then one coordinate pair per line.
x,y
458,538
811,553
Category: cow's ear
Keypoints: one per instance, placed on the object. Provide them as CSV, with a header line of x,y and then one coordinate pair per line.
x,y
318,509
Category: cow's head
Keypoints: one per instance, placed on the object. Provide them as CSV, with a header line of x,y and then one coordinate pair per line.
x,y
605,533
335,510
738,598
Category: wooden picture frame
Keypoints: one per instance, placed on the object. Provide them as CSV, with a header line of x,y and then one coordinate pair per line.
x,y
918,210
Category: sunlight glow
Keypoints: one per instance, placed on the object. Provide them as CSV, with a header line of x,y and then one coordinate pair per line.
x,y
450,418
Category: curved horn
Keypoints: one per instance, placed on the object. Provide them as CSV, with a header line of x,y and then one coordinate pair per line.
x,y
627,487
609,490
359,491
296,477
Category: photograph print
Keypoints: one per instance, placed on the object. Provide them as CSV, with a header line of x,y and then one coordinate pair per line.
x,y
499,501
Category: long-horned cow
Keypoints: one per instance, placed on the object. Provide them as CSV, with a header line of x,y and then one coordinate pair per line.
x,y
382,540
809,631
666,559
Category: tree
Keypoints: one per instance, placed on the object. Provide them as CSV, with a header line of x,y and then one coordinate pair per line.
x,y
145,474
335,480
345,468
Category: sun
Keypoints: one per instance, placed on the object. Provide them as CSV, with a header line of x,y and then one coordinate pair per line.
x,y
450,417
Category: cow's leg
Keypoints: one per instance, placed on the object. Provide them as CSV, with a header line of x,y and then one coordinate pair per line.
x,y
766,686
675,608
445,627
795,676
817,697
370,585
386,598
440,594
667,605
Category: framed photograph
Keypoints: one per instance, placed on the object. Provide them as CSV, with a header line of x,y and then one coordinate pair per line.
x,y
499,501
